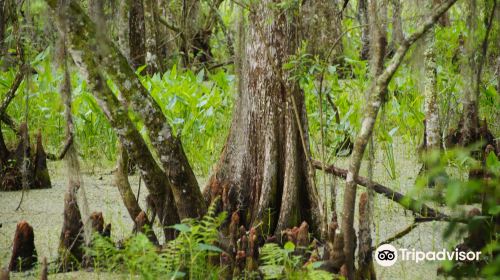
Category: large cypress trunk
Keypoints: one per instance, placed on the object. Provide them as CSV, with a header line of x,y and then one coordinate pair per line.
x,y
263,172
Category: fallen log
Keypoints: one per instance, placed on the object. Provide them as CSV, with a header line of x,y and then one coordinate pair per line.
x,y
403,200
24,256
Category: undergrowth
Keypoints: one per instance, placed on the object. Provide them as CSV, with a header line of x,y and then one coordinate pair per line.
x,y
194,255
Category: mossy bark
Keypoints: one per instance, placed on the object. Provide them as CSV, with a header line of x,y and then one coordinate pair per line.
x,y
154,178
106,57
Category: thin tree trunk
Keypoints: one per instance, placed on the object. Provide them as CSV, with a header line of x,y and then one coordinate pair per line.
x,y
397,25
153,59
377,18
137,29
431,108
96,13
138,216
123,185
123,27
377,91
362,16
2,25
476,47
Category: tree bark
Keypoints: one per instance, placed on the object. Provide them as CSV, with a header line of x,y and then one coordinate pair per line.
x,y
431,108
154,178
24,255
322,25
366,269
4,274
397,25
377,16
476,47
3,23
96,13
153,58
123,27
377,91
186,192
123,185
263,172
137,29
362,16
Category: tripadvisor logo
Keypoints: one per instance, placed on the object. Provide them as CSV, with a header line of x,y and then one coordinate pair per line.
x,y
387,255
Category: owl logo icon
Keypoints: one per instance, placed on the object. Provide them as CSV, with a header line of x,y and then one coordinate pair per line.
x,y
386,255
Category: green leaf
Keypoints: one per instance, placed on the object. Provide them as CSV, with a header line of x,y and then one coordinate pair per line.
x,y
289,246
181,227
200,76
208,247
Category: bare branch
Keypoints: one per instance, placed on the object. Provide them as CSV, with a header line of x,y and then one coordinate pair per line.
x,y
168,24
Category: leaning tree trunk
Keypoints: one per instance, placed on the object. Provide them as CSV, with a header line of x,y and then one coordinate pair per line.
x,y
375,99
84,44
263,172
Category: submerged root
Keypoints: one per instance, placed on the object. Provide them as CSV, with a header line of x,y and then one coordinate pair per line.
x,y
24,255
16,170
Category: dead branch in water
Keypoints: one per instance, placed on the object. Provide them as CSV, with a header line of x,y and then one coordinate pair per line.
x,y
407,202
